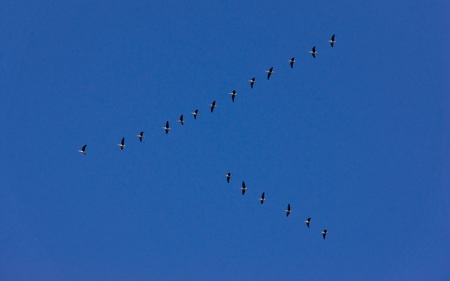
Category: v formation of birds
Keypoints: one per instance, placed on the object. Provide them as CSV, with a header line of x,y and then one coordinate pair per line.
x,y
213,105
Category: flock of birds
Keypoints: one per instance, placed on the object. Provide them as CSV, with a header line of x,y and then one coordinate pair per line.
x,y
213,105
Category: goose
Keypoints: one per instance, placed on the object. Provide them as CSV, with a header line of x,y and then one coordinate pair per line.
x,y
313,52
195,113
213,105
269,72
252,82
288,210
83,150
181,120
228,175
324,233
262,199
308,221
167,128
122,144
233,95
332,41
291,61
243,188
140,136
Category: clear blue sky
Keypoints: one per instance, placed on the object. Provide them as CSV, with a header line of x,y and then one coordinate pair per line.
x,y
357,139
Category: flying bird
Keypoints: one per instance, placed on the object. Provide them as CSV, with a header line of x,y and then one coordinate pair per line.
x,y
213,105
83,150
243,188
228,177
291,61
324,233
288,210
269,72
308,221
181,120
252,82
313,52
332,41
262,199
195,113
141,136
122,144
233,95
167,128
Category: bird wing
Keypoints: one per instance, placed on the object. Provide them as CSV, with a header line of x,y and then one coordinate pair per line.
x,y
84,147
123,141
167,124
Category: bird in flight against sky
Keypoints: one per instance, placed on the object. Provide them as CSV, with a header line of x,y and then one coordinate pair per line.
x,y
262,199
313,52
243,188
228,177
213,105
167,128
288,210
181,120
83,150
291,62
324,233
122,144
332,41
269,72
308,221
195,113
233,95
252,82
141,136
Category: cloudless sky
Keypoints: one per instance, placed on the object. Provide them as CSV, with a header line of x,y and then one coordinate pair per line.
x,y
357,139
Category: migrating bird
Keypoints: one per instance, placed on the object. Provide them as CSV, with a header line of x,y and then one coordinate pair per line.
x,y
269,72
122,144
243,188
195,113
332,41
140,136
313,52
308,221
181,120
83,150
291,61
167,128
233,95
324,233
228,177
288,211
213,105
262,199
252,82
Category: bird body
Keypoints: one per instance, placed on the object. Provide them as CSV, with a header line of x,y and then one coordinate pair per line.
x,y
83,150
233,95
324,233
313,52
181,120
308,221
269,72
292,61
213,105
167,128
243,188
228,175
288,210
252,82
332,41
195,113
262,199
141,136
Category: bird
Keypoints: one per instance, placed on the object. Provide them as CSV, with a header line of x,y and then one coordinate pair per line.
x,y
291,61
195,113
252,82
332,41
243,188
288,210
262,199
313,52
181,120
228,177
269,72
308,221
122,144
83,150
167,128
213,105
324,233
140,136
233,95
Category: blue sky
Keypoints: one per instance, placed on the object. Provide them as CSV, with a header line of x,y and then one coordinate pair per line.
x,y
357,139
